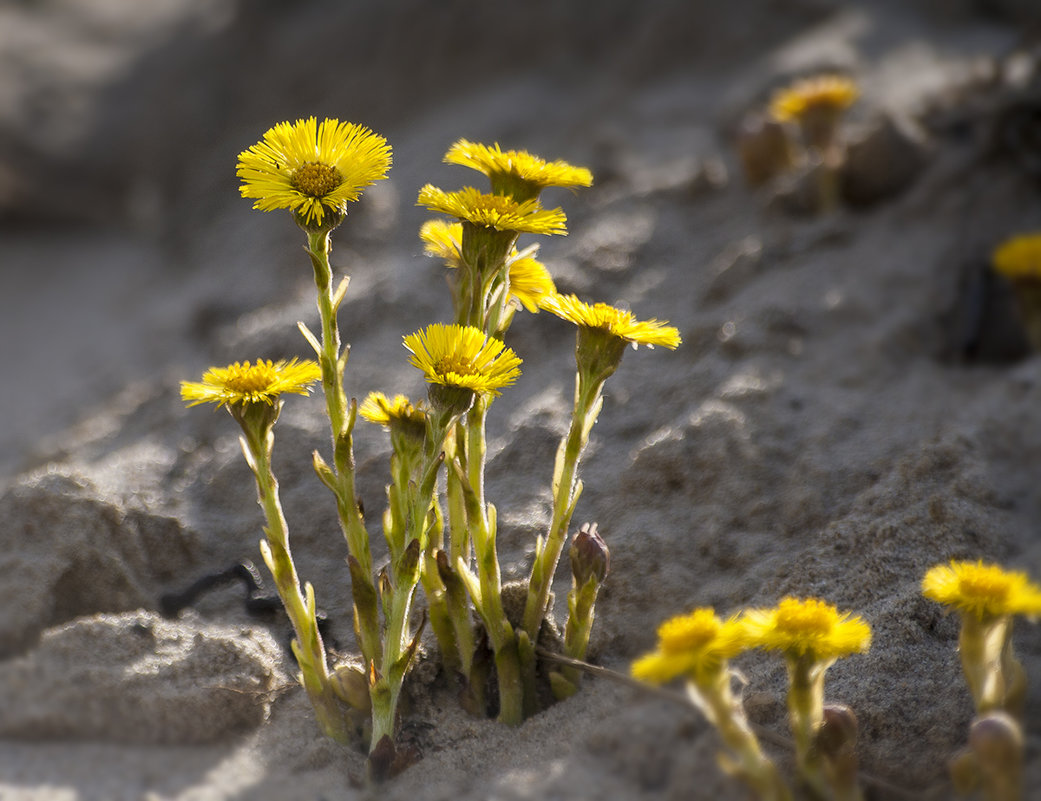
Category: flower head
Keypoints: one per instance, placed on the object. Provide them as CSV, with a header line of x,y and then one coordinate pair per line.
x,y
530,281
379,409
1019,257
824,93
462,356
243,383
809,627
616,322
986,591
696,644
313,169
500,212
516,172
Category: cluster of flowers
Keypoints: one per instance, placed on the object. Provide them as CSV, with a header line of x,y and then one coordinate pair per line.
x,y
811,635
314,170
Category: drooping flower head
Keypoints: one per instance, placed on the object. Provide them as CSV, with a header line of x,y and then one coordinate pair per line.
x,y
406,422
1019,258
243,383
379,409
462,357
604,332
530,281
616,322
982,590
516,172
808,628
823,93
313,169
696,645
500,212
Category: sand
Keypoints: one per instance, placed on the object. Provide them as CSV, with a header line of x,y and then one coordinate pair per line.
x,y
853,401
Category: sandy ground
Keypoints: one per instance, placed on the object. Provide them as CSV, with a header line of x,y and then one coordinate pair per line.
x,y
853,401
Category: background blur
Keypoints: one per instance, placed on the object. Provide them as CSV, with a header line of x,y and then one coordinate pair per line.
x,y
120,122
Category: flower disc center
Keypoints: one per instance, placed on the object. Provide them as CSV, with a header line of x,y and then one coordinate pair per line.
x,y
460,365
316,179
246,379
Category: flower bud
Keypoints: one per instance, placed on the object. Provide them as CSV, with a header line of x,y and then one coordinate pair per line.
x,y
589,555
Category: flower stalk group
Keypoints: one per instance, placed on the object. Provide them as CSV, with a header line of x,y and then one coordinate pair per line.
x,y
444,541
811,635
987,599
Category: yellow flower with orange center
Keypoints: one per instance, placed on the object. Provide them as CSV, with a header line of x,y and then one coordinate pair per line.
x,y
983,590
616,322
462,356
244,383
500,212
313,169
516,172
808,627
696,644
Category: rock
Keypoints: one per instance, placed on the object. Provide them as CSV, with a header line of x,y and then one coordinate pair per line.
x,y
65,552
883,160
136,678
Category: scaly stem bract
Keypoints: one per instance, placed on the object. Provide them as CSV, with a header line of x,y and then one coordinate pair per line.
x,y
342,415
307,647
806,715
488,600
398,588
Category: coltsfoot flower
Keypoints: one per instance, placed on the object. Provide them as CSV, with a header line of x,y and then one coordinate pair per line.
x,y
500,212
692,645
808,628
516,172
244,383
982,590
397,414
1019,258
823,93
616,322
313,169
530,281
462,357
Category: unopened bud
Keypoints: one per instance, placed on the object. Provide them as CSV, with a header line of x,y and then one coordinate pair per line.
x,y
589,555
997,741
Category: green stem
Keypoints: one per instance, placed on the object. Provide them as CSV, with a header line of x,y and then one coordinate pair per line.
x,y
713,696
341,421
398,644
566,489
806,714
483,532
308,646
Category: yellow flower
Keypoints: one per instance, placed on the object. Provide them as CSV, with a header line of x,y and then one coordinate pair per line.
x,y
462,356
986,591
516,172
530,281
829,93
618,323
695,645
1019,257
312,168
443,241
808,627
379,409
243,383
500,212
